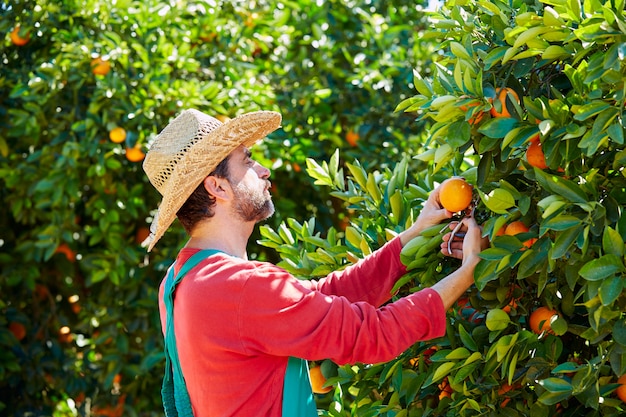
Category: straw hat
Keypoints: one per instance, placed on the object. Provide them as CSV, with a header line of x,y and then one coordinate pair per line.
x,y
189,149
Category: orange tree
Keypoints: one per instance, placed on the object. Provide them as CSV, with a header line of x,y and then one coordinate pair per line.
x,y
84,88
508,74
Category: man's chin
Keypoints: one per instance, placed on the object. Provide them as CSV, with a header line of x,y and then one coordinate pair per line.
x,y
267,212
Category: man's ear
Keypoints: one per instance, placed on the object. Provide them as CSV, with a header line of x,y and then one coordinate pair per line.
x,y
217,187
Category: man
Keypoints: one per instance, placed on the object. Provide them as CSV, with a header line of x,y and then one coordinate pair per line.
x,y
243,329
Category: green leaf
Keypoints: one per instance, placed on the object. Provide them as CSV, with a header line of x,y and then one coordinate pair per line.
x,y
484,273
612,242
556,385
498,128
591,109
458,353
564,241
467,339
619,332
601,268
443,370
610,289
498,200
559,223
560,186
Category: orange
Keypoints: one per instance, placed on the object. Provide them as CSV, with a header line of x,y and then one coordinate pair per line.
x,y
318,380
17,39
352,137
534,154
501,96
477,117
222,118
455,194
518,227
67,251
621,390
512,304
135,154
18,330
100,66
117,135
445,389
540,320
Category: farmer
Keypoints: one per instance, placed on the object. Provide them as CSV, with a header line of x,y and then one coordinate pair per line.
x,y
242,331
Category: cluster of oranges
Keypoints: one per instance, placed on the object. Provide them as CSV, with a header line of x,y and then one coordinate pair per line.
x,y
502,106
133,153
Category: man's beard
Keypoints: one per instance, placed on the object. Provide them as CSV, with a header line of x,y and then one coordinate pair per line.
x,y
252,204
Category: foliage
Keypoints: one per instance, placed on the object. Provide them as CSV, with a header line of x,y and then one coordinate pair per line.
x,y
74,276
565,61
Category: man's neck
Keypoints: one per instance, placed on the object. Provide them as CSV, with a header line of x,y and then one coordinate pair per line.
x,y
230,237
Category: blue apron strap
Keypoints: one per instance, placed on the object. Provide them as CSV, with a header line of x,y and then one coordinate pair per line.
x,y
174,392
298,398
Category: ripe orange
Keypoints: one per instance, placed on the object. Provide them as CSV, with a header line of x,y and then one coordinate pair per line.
x,y
117,135
621,391
352,138
67,251
517,227
18,330
445,389
222,118
534,154
135,154
17,39
100,66
318,380
455,194
477,117
541,320
501,96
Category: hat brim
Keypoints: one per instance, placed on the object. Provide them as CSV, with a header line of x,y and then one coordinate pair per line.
x,y
246,129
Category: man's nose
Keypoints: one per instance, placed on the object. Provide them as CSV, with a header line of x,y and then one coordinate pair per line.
x,y
262,172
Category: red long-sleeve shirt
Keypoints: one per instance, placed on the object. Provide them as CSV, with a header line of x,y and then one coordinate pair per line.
x,y
237,322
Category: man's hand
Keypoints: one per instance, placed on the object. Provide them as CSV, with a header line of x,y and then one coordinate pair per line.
x,y
433,213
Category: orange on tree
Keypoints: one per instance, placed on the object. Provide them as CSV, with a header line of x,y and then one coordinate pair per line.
x,y
117,134
100,66
18,330
17,39
541,320
455,194
477,117
445,389
135,154
67,251
501,97
621,390
318,380
535,155
518,227
352,137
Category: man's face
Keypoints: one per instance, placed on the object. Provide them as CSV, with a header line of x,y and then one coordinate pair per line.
x,y
250,182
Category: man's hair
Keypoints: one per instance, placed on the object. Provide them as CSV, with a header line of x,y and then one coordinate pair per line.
x,y
200,204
